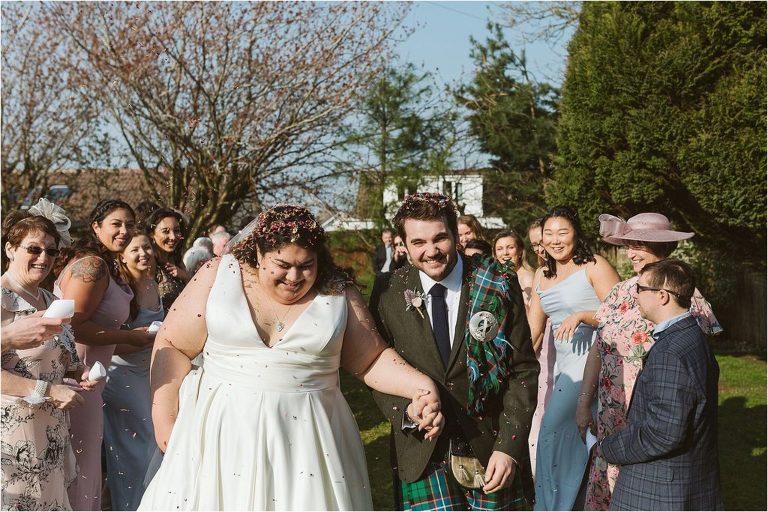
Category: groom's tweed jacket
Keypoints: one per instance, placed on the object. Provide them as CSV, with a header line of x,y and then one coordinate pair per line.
x,y
507,418
668,450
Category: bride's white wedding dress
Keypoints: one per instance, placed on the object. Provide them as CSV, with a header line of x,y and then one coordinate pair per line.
x,y
264,428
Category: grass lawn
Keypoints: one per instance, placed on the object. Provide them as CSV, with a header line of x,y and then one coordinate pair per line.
x,y
742,429
742,434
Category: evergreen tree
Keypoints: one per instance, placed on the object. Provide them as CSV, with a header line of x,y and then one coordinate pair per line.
x,y
514,119
664,109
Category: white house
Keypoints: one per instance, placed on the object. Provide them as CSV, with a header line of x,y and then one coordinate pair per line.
x,y
465,187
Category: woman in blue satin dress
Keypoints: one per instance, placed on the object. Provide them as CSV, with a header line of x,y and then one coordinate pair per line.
x,y
129,436
569,289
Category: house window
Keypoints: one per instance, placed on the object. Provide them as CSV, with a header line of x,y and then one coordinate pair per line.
x,y
405,190
459,192
448,188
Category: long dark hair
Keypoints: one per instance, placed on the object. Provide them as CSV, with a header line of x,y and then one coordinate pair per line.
x,y
582,253
151,223
90,245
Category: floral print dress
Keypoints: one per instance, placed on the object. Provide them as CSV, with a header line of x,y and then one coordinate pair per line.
x,y
624,339
170,287
37,459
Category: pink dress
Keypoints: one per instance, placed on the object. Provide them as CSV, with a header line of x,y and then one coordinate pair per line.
x,y
546,358
623,339
87,425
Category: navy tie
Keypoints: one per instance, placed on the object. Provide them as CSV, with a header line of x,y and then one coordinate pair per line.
x,y
440,322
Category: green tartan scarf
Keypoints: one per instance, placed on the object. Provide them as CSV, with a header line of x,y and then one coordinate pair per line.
x,y
488,363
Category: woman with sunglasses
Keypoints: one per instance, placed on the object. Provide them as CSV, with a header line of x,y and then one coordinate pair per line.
x,y
624,338
37,456
102,305
166,229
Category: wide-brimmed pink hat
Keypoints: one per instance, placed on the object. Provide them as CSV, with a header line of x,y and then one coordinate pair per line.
x,y
643,227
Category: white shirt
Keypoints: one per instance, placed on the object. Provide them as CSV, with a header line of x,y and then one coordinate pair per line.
x,y
452,283
388,250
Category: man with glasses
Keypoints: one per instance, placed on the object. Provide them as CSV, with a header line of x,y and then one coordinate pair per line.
x,y
668,452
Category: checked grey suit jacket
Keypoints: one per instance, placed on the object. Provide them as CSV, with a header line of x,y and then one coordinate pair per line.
x,y
668,450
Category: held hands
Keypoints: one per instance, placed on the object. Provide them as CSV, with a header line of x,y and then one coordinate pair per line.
x,y
499,473
425,410
31,331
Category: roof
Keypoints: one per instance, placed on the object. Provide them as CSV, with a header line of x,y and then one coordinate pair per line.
x,y
78,192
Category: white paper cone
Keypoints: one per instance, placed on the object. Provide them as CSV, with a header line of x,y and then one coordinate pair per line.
x,y
61,308
97,372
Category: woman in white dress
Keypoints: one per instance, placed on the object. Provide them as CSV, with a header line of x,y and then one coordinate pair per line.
x,y
262,424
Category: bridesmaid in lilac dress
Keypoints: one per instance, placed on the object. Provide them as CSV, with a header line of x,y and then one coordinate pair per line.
x,y
102,303
624,339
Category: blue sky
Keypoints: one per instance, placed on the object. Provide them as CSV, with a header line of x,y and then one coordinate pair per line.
x,y
441,44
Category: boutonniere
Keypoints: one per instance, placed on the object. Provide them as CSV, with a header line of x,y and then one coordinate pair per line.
x,y
415,300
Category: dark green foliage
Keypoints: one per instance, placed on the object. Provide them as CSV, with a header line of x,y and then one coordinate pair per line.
x,y
664,109
513,117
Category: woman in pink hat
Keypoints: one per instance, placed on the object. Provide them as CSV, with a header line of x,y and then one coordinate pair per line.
x,y
623,340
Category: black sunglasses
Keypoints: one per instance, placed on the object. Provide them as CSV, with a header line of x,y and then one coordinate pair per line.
x,y
37,251
640,288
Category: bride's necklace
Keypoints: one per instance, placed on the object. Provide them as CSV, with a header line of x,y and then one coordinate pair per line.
x,y
18,285
280,322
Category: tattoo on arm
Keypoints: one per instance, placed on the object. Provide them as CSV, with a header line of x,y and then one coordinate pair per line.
x,y
89,270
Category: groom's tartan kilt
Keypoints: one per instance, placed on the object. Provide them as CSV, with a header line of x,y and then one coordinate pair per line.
x,y
438,490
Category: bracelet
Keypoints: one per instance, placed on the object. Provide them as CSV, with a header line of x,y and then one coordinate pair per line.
x,y
38,394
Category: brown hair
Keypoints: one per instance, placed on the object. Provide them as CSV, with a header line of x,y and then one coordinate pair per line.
x,y
18,224
660,249
155,218
127,277
426,206
674,276
473,224
481,245
521,261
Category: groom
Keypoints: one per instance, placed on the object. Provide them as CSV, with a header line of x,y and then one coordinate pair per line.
x,y
463,324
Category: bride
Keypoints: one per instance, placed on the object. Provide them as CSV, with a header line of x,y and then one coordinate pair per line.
x,y
262,424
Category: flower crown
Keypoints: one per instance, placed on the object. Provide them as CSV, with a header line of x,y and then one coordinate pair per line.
x,y
286,223
414,203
